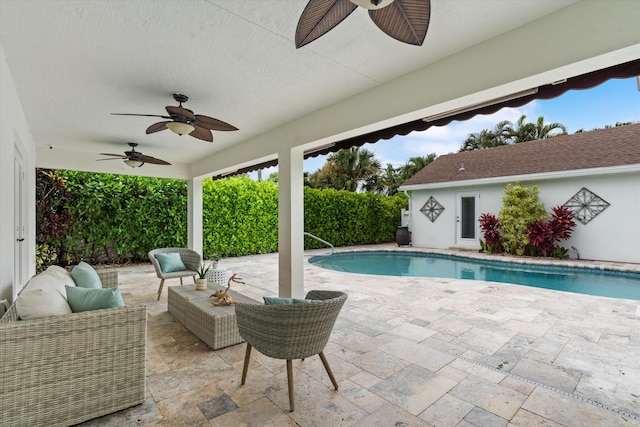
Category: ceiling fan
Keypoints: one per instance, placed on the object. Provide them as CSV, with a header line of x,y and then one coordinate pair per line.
x,y
403,20
133,158
184,121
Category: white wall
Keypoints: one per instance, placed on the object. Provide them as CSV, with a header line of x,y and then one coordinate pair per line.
x,y
14,131
613,235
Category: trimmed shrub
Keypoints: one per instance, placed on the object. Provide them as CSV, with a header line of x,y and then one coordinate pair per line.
x,y
520,208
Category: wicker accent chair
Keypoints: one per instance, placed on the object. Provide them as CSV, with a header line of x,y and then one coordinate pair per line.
x,y
288,332
188,256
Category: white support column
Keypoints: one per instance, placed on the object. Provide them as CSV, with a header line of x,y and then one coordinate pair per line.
x,y
291,223
194,215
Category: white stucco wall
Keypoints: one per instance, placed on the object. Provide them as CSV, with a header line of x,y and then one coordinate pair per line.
x,y
613,235
14,132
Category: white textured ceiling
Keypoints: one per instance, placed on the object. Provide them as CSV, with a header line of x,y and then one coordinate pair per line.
x,y
75,62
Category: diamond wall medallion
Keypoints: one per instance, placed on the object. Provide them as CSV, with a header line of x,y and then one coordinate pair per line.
x,y
432,209
586,205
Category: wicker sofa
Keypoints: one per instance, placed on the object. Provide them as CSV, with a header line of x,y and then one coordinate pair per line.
x,y
66,369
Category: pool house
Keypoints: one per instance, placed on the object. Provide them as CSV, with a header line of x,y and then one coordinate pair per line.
x,y
595,174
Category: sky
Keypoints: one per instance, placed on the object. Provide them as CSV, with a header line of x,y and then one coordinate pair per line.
x,y
616,100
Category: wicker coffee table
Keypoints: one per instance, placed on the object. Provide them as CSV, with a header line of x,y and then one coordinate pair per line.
x,y
215,325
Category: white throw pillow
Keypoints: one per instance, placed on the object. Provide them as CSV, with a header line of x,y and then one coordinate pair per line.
x,y
51,300
61,273
36,303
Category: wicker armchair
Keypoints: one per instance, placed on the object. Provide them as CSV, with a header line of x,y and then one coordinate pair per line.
x,y
294,331
189,257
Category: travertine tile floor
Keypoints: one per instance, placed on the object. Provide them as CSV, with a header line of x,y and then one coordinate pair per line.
x,y
406,352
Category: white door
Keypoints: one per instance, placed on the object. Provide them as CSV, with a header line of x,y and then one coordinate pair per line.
x,y
467,215
19,206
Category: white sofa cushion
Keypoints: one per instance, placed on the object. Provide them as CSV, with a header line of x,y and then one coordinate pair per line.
x,y
45,294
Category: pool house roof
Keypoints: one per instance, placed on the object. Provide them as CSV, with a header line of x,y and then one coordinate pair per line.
x,y
596,151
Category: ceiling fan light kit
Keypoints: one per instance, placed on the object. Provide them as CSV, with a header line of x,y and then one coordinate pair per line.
x,y
133,163
404,20
372,4
180,128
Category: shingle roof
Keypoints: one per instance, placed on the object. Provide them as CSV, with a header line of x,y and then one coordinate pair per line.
x,y
595,149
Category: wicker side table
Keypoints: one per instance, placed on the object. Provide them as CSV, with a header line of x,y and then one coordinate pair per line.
x,y
215,325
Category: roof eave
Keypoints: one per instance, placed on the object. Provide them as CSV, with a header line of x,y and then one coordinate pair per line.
x,y
613,170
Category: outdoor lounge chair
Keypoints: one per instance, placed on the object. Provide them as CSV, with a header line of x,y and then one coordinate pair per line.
x,y
189,258
293,331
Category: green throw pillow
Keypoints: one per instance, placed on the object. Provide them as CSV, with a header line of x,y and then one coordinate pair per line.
x,y
170,262
284,301
83,299
85,276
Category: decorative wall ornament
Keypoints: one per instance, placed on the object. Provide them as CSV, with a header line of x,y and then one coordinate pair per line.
x,y
432,209
586,205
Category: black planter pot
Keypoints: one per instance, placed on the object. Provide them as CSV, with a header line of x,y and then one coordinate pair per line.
x,y
403,238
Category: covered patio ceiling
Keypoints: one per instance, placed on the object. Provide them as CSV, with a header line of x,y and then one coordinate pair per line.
x,y
76,62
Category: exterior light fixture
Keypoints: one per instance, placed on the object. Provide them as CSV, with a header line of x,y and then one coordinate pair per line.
x,y
180,128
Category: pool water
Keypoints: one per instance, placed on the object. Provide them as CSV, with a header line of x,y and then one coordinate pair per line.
x,y
579,280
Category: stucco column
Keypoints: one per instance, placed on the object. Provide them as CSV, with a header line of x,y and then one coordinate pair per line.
x,y
194,215
290,224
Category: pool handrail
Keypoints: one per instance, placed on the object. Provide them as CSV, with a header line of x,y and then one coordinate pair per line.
x,y
321,241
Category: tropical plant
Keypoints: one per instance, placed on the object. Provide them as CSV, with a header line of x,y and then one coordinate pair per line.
x,y
520,208
348,169
53,217
488,138
523,132
386,183
506,132
490,227
201,269
544,235
415,165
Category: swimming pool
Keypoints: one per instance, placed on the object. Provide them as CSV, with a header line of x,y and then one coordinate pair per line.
x,y
579,280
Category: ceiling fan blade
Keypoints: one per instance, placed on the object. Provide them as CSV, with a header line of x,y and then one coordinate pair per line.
x,y
319,17
180,111
110,154
202,133
140,115
112,158
404,20
213,124
152,160
157,127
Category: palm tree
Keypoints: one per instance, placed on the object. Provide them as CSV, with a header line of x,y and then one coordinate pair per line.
x,y
348,169
534,131
415,165
506,132
386,183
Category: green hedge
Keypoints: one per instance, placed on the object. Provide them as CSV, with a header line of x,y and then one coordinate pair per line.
x,y
345,218
240,217
118,218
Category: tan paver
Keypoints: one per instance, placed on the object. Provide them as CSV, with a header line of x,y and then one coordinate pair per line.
x,y
418,351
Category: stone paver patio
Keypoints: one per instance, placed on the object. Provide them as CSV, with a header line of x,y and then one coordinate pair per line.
x,y
406,352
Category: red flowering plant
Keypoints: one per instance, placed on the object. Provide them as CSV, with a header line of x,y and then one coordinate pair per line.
x,y
490,227
544,235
